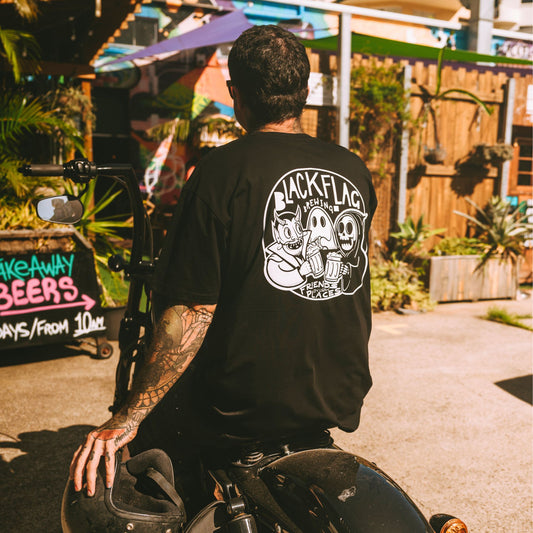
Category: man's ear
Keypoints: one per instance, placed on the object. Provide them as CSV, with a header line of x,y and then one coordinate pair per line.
x,y
242,113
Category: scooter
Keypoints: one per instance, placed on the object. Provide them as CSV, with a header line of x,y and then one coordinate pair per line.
x,y
300,485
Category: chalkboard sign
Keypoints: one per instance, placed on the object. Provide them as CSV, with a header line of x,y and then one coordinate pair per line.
x,y
48,298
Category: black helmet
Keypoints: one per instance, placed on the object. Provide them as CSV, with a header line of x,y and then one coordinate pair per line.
x,y
142,500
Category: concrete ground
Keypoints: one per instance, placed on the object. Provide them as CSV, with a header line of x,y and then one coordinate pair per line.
x,y
449,418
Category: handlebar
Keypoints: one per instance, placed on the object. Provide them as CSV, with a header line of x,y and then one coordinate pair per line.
x,y
42,170
82,171
79,170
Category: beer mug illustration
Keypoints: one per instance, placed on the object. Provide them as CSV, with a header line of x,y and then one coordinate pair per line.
x,y
315,260
333,268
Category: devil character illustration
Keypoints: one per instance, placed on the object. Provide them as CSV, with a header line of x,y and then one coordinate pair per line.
x,y
286,266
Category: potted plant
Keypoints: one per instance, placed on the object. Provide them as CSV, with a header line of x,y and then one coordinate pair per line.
x,y
437,154
485,266
484,154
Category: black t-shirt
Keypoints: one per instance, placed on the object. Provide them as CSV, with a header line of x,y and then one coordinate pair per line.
x,y
273,228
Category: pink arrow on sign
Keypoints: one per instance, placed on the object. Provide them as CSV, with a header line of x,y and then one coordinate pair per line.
x,y
87,303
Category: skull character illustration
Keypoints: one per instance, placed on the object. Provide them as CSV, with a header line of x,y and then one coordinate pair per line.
x,y
349,228
321,227
287,230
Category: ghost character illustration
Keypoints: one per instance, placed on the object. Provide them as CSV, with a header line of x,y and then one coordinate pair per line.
x,y
285,265
321,228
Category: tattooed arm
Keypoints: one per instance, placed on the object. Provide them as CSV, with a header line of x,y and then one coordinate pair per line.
x,y
177,338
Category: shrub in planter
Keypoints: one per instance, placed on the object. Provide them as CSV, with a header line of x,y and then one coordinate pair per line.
x,y
458,246
501,227
396,285
486,266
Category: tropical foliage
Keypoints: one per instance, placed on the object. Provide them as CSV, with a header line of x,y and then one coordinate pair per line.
x,y
18,46
396,285
406,244
22,113
188,131
378,106
101,231
59,114
458,246
21,116
501,227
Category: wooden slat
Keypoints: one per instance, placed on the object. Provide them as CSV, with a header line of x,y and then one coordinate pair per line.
x,y
455,278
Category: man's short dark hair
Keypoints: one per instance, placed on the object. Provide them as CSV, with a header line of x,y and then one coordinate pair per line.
x,y
270,68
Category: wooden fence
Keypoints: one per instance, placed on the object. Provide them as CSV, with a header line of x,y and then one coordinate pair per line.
x,y
436,191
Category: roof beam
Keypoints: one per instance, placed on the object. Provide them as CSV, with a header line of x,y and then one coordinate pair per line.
x,y
370,13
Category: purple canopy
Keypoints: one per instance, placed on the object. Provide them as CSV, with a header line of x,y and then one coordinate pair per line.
x,y
220,30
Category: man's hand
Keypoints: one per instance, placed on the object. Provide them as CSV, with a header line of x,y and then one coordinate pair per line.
x,y
103,441
177,338
305,269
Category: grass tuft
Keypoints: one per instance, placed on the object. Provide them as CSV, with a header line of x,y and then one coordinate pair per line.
x,y
502,316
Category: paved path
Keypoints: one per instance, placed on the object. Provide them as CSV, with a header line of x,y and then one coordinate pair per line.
x,y
437,421
449,418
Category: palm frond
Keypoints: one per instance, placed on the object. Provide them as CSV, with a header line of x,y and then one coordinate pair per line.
x,y
20,116
470,95
18,47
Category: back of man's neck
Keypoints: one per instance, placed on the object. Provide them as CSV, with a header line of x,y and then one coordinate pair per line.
x,y
292,125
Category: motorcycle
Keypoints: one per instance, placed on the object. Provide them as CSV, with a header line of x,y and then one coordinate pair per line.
x,y
300,485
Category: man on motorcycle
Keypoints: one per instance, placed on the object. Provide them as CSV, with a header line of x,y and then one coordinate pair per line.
x,y
263,280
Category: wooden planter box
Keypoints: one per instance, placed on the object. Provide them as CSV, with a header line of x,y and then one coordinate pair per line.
x,y
453,279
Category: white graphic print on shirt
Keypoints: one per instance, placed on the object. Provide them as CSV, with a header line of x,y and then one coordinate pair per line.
x,y
313,235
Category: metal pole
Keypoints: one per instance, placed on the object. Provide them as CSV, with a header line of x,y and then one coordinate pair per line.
x,y
507,133
404,150
344,67
481,26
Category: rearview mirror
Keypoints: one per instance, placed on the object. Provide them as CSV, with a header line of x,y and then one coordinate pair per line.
x,y
64,209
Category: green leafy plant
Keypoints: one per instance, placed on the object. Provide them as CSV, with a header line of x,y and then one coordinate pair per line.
x,y
20,116
16,46
378,104
396,285
406,244
23,113
502,228
437,154
459,246
502,316
483,154
103,233
22,215
188,131
75,111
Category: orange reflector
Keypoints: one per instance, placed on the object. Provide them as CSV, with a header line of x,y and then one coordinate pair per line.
x,y
454,526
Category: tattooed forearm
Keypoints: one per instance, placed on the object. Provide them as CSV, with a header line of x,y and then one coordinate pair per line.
x,y
177,339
